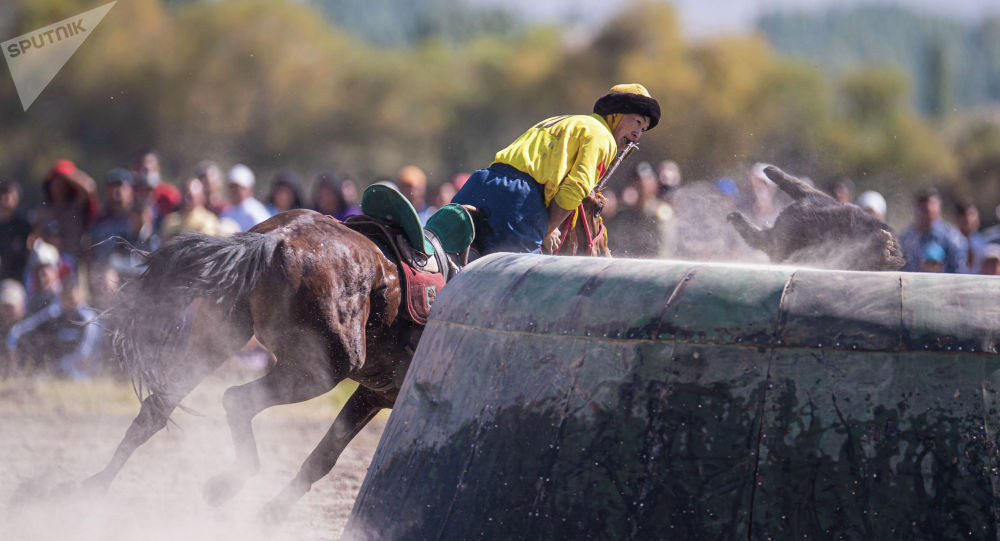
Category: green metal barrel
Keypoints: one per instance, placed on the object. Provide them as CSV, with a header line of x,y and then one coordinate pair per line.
x,y
573,398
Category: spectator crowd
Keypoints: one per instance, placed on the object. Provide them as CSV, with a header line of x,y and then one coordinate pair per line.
x,y
61,262
654,214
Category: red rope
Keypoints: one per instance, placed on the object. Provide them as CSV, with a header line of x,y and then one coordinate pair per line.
x,y
591,237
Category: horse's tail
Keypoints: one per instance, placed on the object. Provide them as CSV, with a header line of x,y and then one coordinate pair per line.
x,y
147,317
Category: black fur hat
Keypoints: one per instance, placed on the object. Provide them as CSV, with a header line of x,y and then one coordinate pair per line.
x,y
629,98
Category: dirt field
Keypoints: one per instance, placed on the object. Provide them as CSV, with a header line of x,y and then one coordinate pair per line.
x,y
53,431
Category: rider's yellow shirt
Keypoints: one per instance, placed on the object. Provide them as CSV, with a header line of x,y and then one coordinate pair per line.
x,y
567,154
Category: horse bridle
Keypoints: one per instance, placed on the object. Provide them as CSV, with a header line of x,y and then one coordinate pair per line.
x,y
592,237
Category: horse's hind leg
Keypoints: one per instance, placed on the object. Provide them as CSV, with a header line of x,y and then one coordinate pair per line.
x,y
794,187
361,408
206,351
153,415
302,372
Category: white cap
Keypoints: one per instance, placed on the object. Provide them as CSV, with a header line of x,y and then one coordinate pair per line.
x,y
11,292
872,200
241,175
992,251
43,254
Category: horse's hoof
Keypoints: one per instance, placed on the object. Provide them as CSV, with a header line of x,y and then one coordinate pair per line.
x,y
95,485
274,513
31,492
221,488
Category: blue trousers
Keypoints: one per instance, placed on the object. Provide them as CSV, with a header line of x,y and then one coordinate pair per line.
x,y
513,205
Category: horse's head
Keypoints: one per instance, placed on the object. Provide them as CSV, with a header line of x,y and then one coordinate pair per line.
x,y
584,231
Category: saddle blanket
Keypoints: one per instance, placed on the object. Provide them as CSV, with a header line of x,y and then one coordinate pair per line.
x,y
420,290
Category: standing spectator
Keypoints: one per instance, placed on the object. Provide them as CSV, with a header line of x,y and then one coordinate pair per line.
x,y
642,228
459,180
50,235
55,338
992,233
335,196
286,193
412,184
142,231
113,219
967,220
873,203
104,281
668,173
933,257
14,232
70,200
246,211
141,234
349,195
12,298
443,195
43,284
731,193
150,186
210,175
193,215
12,304
841,189
991,260
326,195
928,226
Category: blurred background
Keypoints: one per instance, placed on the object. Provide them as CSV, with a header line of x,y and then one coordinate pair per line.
x,y
138,133
895,96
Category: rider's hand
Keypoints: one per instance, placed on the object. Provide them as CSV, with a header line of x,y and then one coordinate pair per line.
x,y
551,242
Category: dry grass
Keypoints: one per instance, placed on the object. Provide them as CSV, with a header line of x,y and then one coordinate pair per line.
x,y
58,431
110,395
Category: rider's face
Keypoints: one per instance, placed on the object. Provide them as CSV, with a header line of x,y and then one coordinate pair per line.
x,y
630,128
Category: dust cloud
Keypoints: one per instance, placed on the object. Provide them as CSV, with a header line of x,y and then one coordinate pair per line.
x,y
55,433
702,233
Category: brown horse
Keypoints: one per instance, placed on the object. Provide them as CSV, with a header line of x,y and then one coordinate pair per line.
x,y
323,298
584,231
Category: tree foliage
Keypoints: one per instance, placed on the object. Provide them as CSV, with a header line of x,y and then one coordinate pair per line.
x,y
279,84
948,61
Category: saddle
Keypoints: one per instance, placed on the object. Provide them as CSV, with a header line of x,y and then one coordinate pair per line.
x,y
427,256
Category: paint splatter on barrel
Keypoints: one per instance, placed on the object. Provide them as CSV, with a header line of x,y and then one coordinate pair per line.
x,y
571,398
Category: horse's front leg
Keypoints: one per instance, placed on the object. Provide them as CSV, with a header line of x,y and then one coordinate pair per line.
x,y
754,236
361,408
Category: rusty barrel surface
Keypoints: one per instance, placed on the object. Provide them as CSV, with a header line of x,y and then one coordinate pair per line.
x,y
573,398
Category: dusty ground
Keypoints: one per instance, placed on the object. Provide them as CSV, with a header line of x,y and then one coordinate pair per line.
x,y
54,431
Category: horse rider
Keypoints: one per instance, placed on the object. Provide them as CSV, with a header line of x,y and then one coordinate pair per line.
x,y
536,182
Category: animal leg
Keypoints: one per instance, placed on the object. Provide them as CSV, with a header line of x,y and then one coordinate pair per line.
x,y
153,415
286,383
206,351
361,408
754,236
794,187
